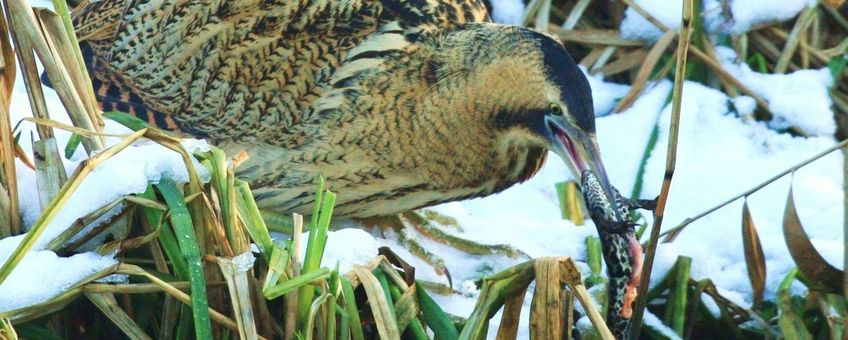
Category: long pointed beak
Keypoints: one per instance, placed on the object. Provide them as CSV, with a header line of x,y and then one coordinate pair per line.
x,y
580,151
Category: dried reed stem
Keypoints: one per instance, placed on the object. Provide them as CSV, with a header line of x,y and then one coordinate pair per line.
x,y
671,160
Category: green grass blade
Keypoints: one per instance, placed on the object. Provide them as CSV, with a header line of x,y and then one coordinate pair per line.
x,y
252,219
321,217
414,327
73,144
758,62
351,309
6,330
384,283
344,324
316,209
435,318
296,282
126,119
594,256
166,236
188,245
836,65
676,305
276,268
790,323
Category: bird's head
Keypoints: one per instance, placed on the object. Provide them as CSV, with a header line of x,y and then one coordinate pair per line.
x,y
532,91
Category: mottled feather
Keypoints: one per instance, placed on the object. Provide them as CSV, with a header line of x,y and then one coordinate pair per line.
x,y
398,104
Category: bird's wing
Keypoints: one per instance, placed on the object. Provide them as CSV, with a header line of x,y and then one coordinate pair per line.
x,y
195,59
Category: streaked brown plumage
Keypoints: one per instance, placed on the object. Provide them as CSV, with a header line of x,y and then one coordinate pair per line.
x,y
398,104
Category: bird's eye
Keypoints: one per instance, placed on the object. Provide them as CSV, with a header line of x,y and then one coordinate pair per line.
x,y
556,109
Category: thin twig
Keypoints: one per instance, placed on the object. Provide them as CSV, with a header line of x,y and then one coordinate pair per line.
x,y
801,25
721,72
593,37
673,232
845,221
671,161
576,13
648,65
705,58
645,14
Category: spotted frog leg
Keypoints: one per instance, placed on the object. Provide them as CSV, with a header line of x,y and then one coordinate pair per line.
x,y
621,250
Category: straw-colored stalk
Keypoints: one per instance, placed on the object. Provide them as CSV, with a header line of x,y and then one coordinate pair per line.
x,y
239,288
178,294
10,220
801,24
47,36
109,306
671,160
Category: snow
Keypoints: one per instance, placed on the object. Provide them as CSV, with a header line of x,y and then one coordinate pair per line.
x,y
42,274
635,26
721,153
747,13
508,11
653,322
800,99
346,248
720,156
244,261
128,172
605,95
635,125
721,16
134,168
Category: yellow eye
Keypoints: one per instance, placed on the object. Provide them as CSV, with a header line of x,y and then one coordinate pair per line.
x,y
556,109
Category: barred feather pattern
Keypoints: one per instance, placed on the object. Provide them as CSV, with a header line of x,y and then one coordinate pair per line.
x,y
356,91
249,69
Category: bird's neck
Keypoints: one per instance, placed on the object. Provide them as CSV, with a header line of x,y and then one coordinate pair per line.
x,y
460,110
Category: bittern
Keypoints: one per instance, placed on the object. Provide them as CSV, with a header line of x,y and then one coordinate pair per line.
x,y
397,104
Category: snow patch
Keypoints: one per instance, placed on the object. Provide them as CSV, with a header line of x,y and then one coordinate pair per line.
x,y
42,275
509,12
799,99
720,16
605,95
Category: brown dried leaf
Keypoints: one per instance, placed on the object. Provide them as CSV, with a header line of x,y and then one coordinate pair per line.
x,y
754,259
834,3
820,275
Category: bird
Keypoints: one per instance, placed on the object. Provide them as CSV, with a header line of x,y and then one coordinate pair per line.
x,y
397,104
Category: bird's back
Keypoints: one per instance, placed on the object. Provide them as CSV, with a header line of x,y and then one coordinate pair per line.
x,y
243,69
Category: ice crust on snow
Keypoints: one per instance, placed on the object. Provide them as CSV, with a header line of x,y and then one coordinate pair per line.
x,y
736,17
